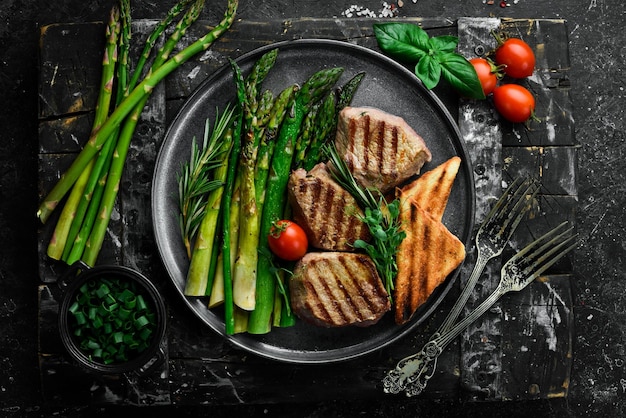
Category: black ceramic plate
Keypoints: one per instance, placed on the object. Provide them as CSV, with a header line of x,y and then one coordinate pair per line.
x,y
387,86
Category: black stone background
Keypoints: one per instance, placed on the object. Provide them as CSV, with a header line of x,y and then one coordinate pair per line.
x,y
598,55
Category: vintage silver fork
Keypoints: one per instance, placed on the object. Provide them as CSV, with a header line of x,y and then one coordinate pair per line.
x,y
524,267
491,238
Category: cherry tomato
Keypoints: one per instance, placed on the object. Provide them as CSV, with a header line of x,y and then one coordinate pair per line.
x,y
486,74
287,240
517,58
514,102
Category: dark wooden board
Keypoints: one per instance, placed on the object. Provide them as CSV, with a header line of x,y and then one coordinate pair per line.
x,y
520,350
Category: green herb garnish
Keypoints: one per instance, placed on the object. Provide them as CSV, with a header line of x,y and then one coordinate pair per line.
x,y
382,220
434,57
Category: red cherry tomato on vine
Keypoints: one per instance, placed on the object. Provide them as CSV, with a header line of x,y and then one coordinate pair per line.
x,y
486,74
514,102
287,240
516,57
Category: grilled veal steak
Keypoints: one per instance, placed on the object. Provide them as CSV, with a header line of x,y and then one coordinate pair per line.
x,y
336,289
328,214
380,149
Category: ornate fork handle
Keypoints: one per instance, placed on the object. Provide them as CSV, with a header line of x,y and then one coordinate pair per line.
x,y
416,383
416,367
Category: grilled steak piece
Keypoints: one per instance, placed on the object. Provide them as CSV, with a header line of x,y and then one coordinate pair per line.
x,y
328,213
336,289
380,149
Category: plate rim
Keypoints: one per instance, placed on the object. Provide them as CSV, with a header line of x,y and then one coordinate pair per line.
x,y
272,352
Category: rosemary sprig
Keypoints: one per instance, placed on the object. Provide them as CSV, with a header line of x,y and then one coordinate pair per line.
x,y
195,179
381,219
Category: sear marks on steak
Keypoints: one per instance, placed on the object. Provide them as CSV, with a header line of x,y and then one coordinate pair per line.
x,y
328,213
380,149
336,289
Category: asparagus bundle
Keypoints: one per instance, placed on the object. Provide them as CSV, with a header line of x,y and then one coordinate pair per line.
x,y
94,175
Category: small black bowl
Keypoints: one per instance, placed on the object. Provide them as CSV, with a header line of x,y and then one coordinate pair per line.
x,y
71,282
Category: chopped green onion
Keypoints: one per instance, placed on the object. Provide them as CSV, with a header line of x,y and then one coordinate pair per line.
x,y
112,322
74,307
80,318
102,291
141,322
141,303
130,302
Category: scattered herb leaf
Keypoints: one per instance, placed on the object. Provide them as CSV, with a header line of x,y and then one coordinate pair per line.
x,y
435,57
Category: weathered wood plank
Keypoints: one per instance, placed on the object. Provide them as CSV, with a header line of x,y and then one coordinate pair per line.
x,y
62,135
69,78
556,167
534,362
480,362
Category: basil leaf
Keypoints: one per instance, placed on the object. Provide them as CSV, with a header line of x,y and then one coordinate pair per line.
x,y
434,56
444,44
460,73
428,70
404,41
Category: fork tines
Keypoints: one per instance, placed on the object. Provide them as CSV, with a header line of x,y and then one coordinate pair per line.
x,y
507,213
546,250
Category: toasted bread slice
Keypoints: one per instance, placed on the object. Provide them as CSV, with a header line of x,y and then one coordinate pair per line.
x,y
432,189
428,254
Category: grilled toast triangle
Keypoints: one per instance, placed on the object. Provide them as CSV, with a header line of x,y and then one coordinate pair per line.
x,y
426,256
432,189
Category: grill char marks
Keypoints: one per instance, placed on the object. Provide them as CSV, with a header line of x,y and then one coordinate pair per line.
x,y
381,150
328,214
429,252
336,289
432,189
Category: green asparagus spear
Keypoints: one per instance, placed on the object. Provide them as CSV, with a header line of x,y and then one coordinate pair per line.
x,y
152,39
96,237
346,92
67,218
229,319
253,81
314,89
266,147
306,133
326,126
232,206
